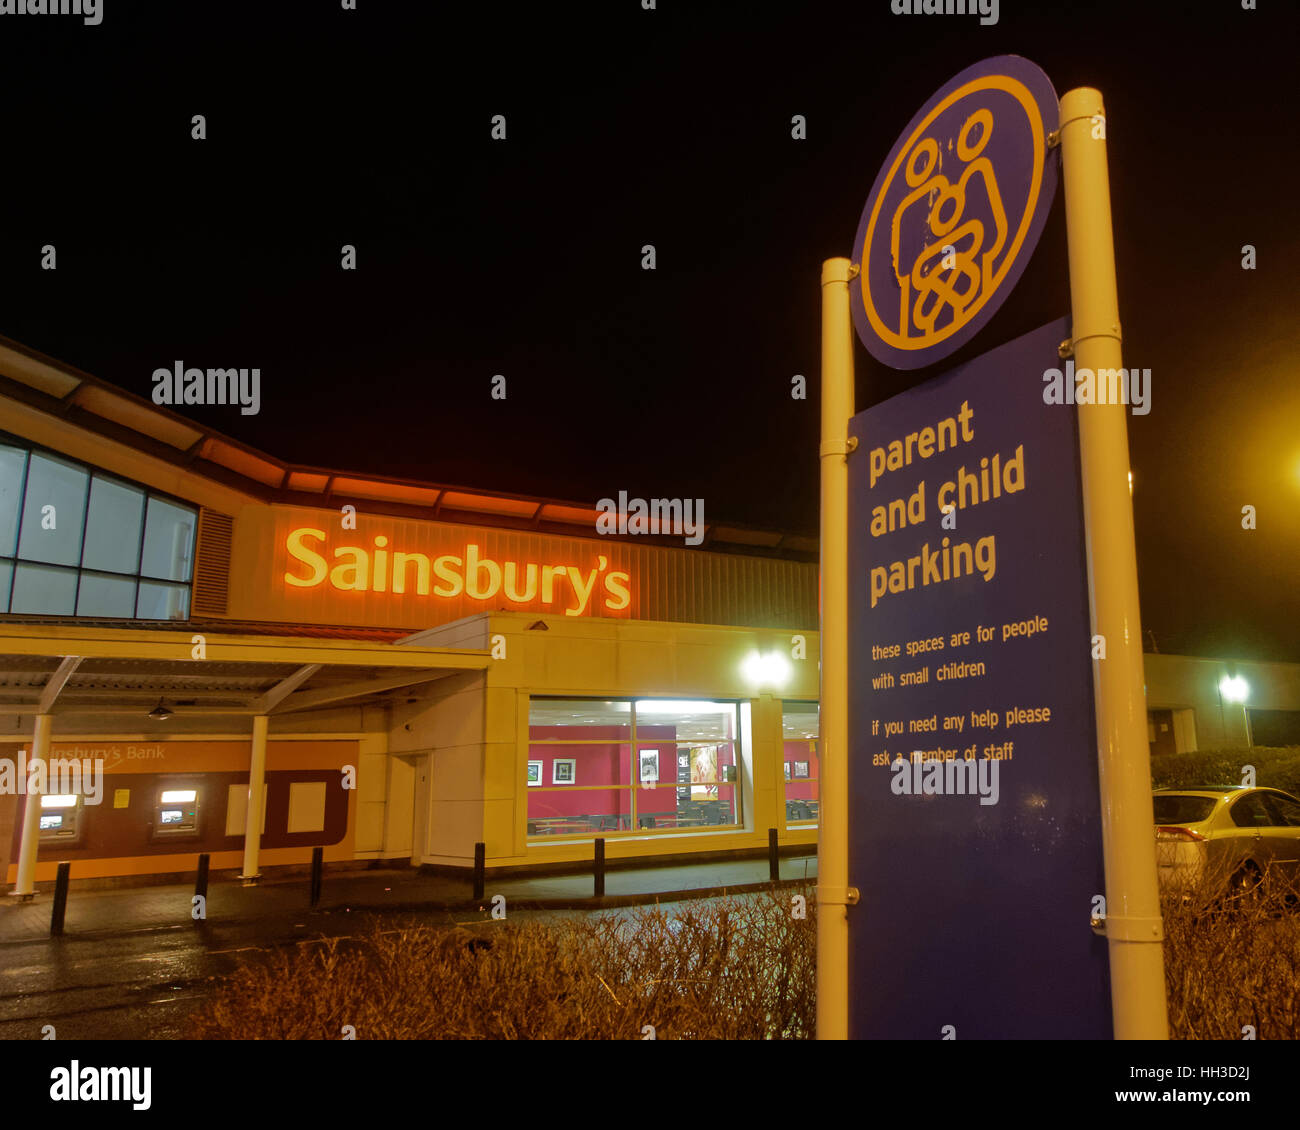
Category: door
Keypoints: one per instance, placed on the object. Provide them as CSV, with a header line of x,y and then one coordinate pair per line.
x,y
420,817
1284,833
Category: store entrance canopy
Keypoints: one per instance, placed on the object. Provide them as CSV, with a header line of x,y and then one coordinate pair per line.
x,y
73,670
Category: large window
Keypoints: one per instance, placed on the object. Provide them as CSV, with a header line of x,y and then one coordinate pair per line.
x,y
632,766
75,542
799,733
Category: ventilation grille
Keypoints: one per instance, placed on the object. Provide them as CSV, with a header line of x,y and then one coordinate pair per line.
x,y
212,564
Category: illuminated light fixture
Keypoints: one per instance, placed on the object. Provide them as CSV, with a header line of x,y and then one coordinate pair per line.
x,y
59,800
160,713
681,706
770,670
1234,688
178,796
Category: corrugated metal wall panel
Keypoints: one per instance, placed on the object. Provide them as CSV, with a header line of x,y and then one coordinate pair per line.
x,y
682,585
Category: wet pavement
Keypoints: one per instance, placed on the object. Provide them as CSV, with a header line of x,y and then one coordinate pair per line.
x,y
122,910
133,964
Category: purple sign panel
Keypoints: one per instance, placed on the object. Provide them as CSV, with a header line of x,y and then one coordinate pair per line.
x,y
975,825
955,212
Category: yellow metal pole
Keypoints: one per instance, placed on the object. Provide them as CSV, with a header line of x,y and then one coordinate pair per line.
x,y
29,845
833,814
1133,927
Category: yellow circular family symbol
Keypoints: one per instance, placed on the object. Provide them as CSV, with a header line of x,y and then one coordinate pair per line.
x,y
955,212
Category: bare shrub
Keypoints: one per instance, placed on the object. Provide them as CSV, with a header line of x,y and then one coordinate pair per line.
x,y
1234,961
738,968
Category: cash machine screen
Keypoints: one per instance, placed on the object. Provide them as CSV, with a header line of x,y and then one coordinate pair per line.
x,y
176,813
60,818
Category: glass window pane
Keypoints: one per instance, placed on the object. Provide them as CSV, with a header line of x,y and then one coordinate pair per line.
x,y
580,776
689,718
168,541
43,589
682,772
162,602
799,729
704,733
53,483
102,595
6,576
799,719
113,527
12,462
579,712
1249,812
1287,810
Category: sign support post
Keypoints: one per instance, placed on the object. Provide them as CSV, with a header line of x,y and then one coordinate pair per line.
x,y
833,892
1133,926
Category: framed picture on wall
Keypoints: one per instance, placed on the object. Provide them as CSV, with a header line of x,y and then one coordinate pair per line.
x,y
787,770
564,770
801,769
534,773
649,766
704,771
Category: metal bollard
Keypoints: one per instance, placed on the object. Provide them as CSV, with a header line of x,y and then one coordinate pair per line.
x,y
201,879
317,865
773,856
480,867
60,900
600,869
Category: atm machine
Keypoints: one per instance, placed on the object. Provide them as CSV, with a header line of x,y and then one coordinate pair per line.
x,y
177,812
61,820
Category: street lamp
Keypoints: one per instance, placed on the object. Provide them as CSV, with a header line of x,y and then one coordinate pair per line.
x,y
1235,689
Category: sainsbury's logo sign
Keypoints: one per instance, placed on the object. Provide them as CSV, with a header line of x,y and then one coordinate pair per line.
x,y
381,569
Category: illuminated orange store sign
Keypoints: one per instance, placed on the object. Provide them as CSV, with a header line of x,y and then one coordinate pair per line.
x,y
377,568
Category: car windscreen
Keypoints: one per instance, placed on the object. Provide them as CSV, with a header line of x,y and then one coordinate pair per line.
x,y
1176,809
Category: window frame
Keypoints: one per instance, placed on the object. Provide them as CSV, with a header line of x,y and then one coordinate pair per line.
x,y
635,787
812,748
15,560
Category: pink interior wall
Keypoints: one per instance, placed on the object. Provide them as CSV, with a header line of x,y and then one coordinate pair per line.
x,y
599,765
798,788
610,763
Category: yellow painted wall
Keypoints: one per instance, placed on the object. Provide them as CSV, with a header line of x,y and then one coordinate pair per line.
x,y
477,733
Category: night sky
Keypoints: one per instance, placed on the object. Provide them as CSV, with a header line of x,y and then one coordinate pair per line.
x,y
626,127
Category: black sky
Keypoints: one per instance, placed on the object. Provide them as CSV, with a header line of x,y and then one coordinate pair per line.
x,y
628,127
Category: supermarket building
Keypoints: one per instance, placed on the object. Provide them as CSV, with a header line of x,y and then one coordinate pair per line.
x,y
384,669
396,671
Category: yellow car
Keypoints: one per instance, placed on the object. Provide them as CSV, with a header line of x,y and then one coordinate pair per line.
x,y
1223,840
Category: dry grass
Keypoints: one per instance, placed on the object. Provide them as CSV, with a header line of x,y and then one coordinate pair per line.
x,y
1234,963
733,969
